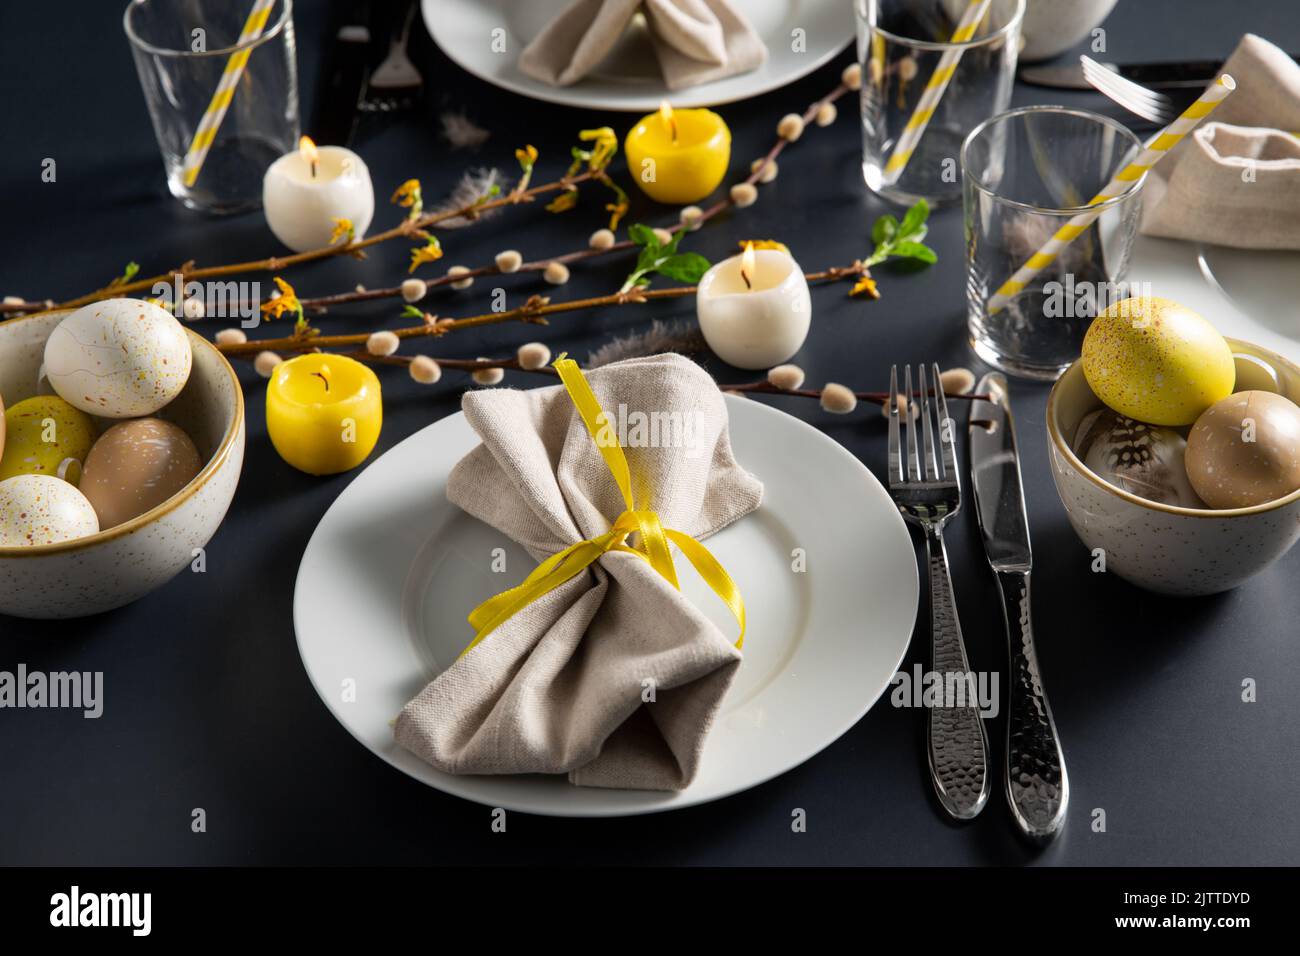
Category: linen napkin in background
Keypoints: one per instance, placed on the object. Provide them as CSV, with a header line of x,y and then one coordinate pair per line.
x,y
695,41
558,687
1199,192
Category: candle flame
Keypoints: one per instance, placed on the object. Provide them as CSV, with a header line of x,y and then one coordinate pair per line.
x,y
747,264
666,112
308,150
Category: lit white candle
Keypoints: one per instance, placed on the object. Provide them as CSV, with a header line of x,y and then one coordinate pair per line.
x,y
754,308
305,191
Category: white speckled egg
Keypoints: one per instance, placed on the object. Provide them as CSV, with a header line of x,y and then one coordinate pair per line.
x,y
42,509
120,358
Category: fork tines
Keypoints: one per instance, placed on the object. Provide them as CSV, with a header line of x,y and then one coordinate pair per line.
x,y
1148,104
929,463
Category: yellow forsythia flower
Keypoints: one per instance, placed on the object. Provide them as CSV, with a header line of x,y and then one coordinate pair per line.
x,y
563,202
765,244
865,286
286,301
617,210
431,251
526,156
343,229
408,195
604,147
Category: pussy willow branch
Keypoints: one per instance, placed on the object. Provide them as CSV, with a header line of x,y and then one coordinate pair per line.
x,y
534,310
278,263
318,304
761,387
726,202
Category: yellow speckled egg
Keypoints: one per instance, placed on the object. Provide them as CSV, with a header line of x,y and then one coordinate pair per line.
x,y
120,358
1156,361
42,509
42,433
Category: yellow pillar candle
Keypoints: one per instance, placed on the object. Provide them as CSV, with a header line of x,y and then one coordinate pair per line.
x,y
678,156
323,412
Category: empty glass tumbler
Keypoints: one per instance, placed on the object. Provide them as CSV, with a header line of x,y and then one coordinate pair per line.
x,y
221,84
1028,176
931,71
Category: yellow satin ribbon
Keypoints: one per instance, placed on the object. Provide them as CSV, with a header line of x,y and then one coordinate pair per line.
x,y
573,560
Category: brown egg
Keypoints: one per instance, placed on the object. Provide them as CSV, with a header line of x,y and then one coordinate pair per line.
x,y
136,465
1244,450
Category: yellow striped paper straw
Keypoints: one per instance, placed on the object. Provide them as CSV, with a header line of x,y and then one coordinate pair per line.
x,y
933,92
1157,147
216,111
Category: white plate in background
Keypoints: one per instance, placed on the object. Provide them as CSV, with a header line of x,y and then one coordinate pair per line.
x,y
630,80
1247,294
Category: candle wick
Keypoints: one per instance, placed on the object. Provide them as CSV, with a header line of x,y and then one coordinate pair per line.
x,y
748,284
321,376
672,125
313,169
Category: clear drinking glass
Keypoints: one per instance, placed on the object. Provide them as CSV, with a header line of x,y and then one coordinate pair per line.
x,y
1025,174
183,50
913,123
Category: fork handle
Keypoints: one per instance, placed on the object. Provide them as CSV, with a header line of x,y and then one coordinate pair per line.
x,y
1037,788
957,746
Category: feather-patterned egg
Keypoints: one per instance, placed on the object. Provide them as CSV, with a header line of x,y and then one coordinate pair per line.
x,y
135,466
1144,460
120,358
42,509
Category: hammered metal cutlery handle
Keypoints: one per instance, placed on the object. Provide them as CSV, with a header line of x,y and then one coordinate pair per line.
x,y
1037,787
957,746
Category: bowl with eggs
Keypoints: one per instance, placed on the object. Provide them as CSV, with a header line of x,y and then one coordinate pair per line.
x,y
1175,451
122,445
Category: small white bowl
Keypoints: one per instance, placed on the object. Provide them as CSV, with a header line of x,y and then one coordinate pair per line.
x,y
1162,547
114,567
1051,27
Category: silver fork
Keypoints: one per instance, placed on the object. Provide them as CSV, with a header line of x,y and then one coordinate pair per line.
x,y
927,490
396,83
1137,99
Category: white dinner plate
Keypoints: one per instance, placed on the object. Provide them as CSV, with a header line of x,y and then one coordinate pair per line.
x,y
394,567
629,78
1247,294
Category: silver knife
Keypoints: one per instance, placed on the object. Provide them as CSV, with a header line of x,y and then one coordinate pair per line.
x,y
1036,783
1069,76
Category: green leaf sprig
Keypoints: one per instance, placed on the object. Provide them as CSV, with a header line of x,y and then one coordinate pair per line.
x,y
902,240
130,272
662,258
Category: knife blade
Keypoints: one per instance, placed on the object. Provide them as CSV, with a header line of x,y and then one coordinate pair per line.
x,y
344,82
1156,76
1035,779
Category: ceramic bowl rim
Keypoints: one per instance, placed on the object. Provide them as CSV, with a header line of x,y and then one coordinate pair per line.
x,y
214,464
1062,447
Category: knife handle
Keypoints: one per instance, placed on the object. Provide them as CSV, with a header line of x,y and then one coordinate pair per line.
x,y
956,743
1037,787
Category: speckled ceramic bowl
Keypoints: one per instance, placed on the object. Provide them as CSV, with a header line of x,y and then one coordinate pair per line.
x,y
1162,547
114,567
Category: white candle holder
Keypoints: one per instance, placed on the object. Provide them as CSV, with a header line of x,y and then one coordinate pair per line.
x,y
760,323
301,208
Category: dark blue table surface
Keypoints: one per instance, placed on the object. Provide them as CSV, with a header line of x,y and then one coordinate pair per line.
x,y
207,704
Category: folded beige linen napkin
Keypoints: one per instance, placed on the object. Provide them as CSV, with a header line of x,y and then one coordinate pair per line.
x,y
1236,181
614,677
695,41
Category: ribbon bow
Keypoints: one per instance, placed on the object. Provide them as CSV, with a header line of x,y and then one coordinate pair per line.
x,y
573,560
